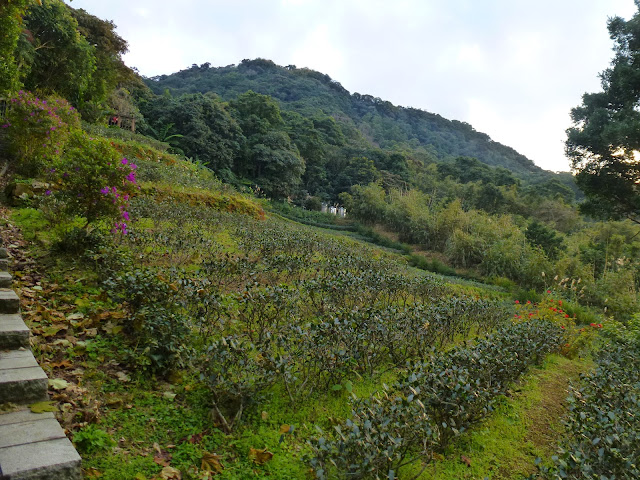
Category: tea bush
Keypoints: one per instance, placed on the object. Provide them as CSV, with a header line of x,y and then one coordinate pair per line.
x,y
431,404
603,426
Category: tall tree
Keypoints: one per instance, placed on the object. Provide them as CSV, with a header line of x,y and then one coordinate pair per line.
x,y
604,141
10,26
55,56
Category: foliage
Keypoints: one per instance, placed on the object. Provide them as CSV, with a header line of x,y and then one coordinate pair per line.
x,y
159,330
431,404
55,56
206,130
603,428
38,129
603,141
92,439
72,53
11,14
92,181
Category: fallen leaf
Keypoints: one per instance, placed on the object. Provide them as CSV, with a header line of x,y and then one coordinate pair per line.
x,y
465,460
211,463
92,472
260,456
123,377
162,458
169,395
62,364
91,332
42,407
170,473
196,438
285,428
265,415
58,383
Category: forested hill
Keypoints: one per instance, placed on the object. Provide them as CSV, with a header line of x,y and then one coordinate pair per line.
x,y
379,122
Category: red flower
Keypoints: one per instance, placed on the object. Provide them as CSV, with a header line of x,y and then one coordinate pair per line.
x,y
593,324
562,327
559,302
517,301
599,325
548,291
528,302
566,315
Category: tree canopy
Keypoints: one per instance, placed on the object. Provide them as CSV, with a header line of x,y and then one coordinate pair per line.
x,y
604,142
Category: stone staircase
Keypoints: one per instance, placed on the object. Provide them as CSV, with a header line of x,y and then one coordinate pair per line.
x,y
33,446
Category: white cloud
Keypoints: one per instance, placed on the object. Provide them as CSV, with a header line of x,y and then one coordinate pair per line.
x,y
511,69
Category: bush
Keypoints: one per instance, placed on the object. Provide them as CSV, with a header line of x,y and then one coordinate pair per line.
x,y
92,181
158,329
603,425
38,130
435,401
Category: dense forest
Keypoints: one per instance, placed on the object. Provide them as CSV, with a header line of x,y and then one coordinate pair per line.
x,y
201,317
342,138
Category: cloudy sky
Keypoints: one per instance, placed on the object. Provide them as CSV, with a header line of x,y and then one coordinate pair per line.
x,y
512,69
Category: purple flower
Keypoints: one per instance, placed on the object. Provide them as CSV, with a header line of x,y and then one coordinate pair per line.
x,y
125,215
105,190
6,125
133,166
124,161
132,177
47,193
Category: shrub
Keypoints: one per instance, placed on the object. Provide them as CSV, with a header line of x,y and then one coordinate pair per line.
x,y
434,402
38,130
158,329
603,425
92,181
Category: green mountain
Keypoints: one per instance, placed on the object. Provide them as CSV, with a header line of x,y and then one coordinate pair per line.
x,y
378,122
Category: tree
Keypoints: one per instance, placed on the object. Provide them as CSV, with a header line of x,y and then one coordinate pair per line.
x,y
269,157
54,55
202,128
605,137
10,25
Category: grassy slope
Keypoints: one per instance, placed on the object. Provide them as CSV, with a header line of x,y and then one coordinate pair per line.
x,y
157,423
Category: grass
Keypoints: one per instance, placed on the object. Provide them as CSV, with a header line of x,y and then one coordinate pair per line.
x,y
524,426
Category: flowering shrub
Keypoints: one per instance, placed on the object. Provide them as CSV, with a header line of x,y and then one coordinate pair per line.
x,y
577,339
38,130
91,181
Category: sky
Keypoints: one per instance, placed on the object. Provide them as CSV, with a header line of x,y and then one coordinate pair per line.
x,y
513,69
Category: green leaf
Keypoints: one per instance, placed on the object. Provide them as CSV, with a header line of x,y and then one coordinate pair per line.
x,y
42,407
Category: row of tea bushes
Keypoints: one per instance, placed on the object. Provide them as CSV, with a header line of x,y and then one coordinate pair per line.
x,y
435,401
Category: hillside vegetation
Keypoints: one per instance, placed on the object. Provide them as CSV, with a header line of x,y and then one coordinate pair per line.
x,y
199,317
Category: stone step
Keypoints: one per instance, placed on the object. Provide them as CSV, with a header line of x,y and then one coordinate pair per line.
x,y
22,381
13,332
46,460
4,253
9,301
34,447
29,431
4,264
5,280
